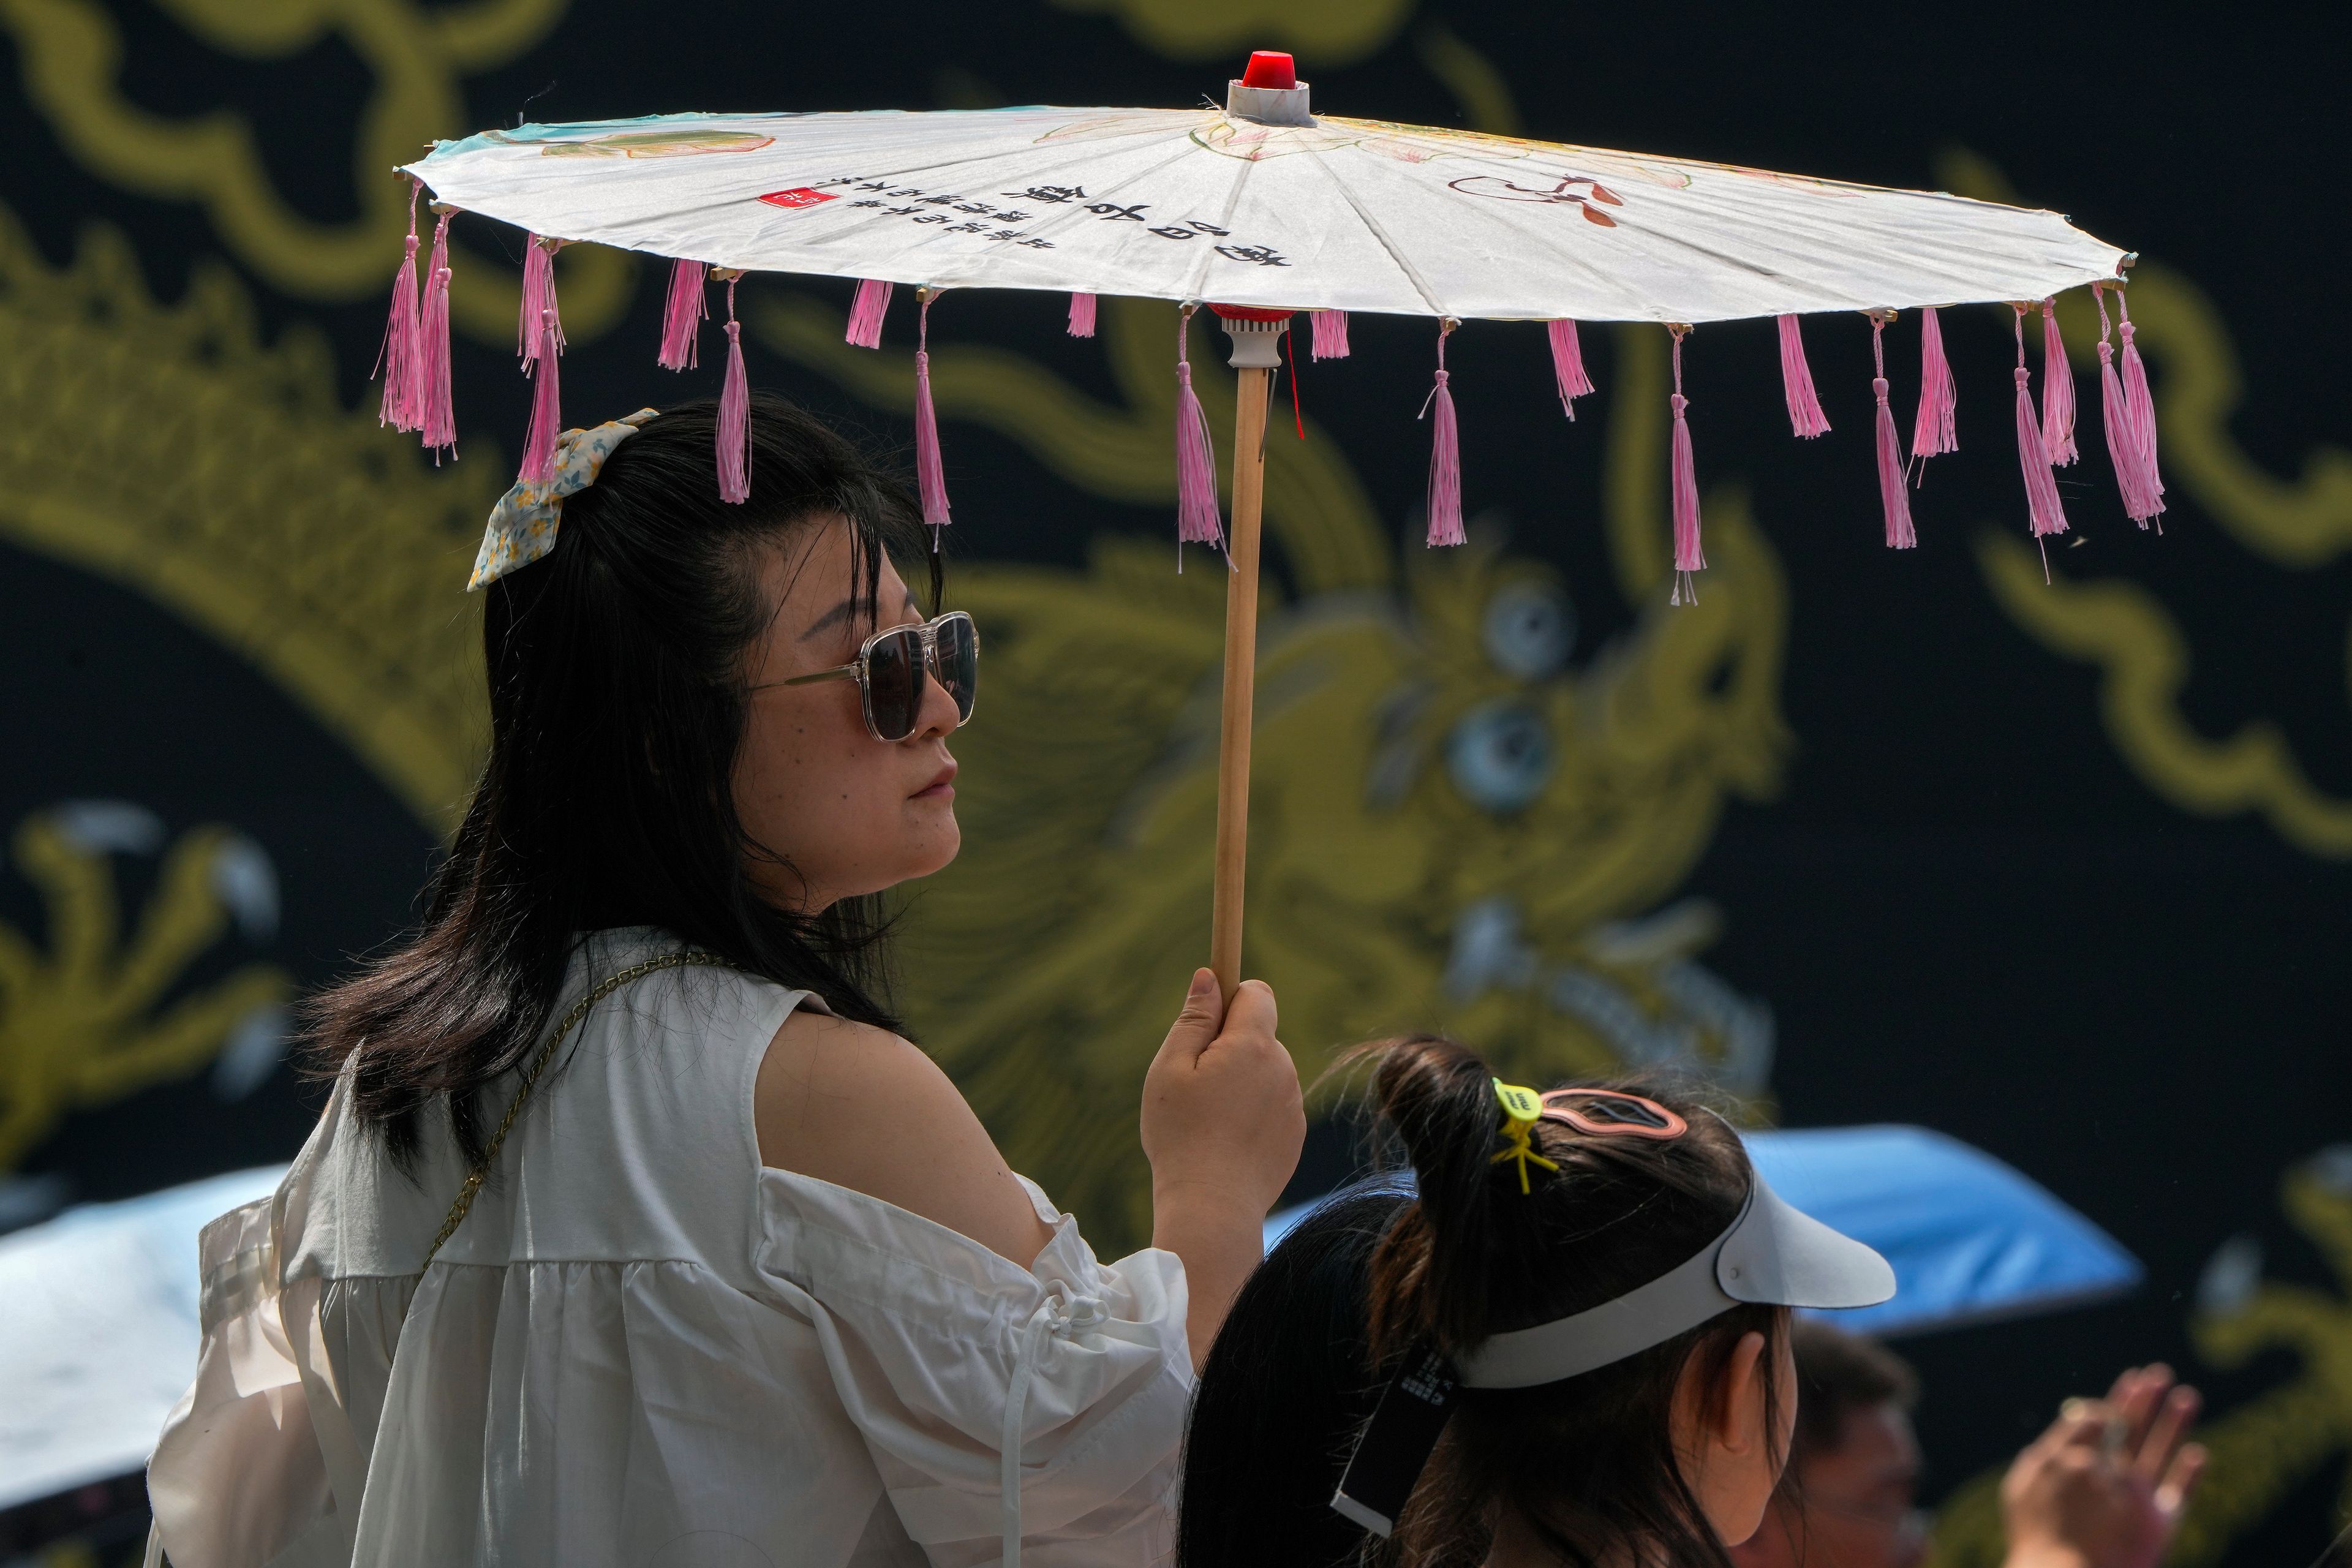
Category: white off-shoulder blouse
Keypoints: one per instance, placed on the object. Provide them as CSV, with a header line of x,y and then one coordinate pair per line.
x,y
644,1349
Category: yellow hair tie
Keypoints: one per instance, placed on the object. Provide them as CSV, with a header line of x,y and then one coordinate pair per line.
x,y
1522,1109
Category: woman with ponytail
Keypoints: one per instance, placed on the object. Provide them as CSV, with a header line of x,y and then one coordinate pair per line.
x,y
1561,1340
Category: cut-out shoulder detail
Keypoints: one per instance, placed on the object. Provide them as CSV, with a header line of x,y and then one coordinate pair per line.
x,y
860,1107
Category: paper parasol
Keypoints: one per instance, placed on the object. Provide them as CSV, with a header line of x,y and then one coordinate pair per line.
x,y
1259,209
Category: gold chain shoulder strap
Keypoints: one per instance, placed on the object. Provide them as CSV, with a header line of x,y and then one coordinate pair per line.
x,y
605,987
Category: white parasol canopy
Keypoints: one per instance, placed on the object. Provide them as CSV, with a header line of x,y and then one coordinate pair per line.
x,y
1207,203
1263,208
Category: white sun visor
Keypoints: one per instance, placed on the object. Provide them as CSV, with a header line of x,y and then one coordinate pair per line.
x,y
1771,1254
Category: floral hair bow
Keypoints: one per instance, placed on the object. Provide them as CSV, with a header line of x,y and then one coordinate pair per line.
x,y
523,525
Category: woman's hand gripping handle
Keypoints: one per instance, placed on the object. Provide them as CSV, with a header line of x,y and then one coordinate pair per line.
x,y
1223,1122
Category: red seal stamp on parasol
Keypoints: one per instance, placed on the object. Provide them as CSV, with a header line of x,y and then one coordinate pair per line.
x,y
798,198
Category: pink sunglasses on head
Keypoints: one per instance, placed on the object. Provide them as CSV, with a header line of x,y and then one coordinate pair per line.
x,y
1612,1113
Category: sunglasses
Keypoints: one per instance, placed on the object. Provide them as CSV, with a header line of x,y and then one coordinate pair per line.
x,y
891,666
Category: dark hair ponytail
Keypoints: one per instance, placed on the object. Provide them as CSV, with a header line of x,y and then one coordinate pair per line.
x,y
1586,1463
616,703
1436,1270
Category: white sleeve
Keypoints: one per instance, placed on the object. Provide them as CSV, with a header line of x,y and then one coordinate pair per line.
x,y
247,1466
1032,1413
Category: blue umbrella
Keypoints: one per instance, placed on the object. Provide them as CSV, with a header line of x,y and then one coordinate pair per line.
x,y
1971,1239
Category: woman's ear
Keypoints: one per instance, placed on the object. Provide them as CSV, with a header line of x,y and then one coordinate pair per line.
x,y
1720,1417
1741,1397
1722,1435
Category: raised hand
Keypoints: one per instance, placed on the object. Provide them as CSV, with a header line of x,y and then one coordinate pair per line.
x,y
2104,1486
1223,1123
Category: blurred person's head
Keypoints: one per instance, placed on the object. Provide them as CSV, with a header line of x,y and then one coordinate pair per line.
x,y
1662,1455
652,762
1850,1500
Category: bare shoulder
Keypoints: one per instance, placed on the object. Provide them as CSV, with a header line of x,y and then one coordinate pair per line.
x,y
859,1107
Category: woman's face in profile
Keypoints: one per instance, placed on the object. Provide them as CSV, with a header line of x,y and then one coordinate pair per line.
x,y
848,813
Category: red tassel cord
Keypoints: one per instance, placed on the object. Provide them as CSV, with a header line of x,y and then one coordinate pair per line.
x,y
734,411
1893,496
2139,505
930,475
400,363
1935,430
1688,555
1805,416
1445,454
1082,315
1198,521
538,298
2140,409
2057,392
2041,484
1290,358
546,403
865,313
682,319
438,413
1330,334
1568,365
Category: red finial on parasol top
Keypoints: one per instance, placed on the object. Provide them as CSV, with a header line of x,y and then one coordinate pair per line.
x,y
1270,67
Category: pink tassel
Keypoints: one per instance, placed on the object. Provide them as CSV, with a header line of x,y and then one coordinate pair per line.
x,y
538,298
1894,497
734,412
2140,410
546,405
682,338
2041,484
1198,521
931,475
1445,456
1330,333
1688,556
1082,315
404,387
2115,413
865,313
438,413
1805,416
1568,365
2057,392
1935,430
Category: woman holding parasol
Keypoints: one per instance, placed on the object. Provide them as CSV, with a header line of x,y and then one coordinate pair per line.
x,y
732,1274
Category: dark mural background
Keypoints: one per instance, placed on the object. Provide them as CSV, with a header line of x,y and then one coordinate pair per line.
x,y
2060,870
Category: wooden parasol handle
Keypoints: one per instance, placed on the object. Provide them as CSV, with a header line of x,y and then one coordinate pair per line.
x,y
1241,678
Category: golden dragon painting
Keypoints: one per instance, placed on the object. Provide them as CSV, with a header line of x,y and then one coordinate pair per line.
x,y
1468,812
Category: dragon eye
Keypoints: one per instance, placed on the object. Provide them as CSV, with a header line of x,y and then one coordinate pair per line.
x,y
1501,755
1530,630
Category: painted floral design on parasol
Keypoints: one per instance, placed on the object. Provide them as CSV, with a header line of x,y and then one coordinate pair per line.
x,y
1258,210
683,143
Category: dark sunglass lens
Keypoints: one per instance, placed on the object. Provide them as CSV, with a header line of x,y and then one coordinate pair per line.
x,y
894,683
960,664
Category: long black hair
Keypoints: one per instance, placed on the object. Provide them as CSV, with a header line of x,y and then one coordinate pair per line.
x,y
1288,1382
1587,1463
617,698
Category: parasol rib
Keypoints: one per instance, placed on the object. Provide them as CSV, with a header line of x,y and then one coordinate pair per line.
x,y
1372,226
